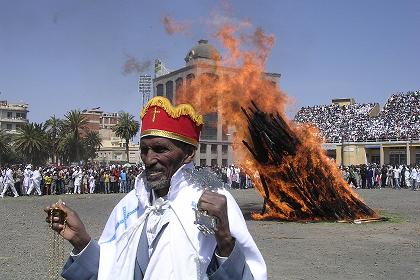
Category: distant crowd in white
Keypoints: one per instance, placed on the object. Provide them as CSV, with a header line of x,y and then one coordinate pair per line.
x,y
24,180
399,119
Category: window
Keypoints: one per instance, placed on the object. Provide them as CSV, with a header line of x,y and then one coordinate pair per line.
x,y
170,90
214,162
224,149
178,84
190,77
203,148
397,159
375,159
9,115
159,90
210,127
417,159
9,126
203,162
214,149
224,162
20,115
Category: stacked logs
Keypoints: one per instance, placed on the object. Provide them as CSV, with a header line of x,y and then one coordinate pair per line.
x,y
297,180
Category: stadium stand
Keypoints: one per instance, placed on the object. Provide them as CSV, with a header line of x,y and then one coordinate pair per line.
x,y
398,120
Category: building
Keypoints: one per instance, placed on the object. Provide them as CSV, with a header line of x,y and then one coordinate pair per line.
x,y
145,88
215,146
391,152
13,116
98,119
113,148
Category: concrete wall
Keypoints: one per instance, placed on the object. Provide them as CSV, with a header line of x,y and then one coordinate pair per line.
x,y
361,153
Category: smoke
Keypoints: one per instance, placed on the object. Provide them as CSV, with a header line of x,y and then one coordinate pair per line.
x,y
133,65
172,26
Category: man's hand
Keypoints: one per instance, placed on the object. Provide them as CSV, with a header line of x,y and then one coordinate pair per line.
x,y
74,231
216,205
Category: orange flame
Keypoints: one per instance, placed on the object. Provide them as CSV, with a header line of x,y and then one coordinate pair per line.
x,y
224,89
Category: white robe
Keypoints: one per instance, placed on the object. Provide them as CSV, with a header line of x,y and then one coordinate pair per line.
x,y
183,252
27,174
35,182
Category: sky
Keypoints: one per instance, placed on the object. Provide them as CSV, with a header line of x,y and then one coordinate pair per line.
x,y
59,55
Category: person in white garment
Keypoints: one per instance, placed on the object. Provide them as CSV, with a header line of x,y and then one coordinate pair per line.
x,y
413,177
2,172
27,174
418,178
35,182
9,182
159,230
77,176
91,183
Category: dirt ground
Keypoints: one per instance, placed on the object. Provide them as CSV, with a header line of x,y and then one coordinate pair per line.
x,y
385,250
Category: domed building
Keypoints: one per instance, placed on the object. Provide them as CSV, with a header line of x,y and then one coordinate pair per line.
x,y
203,52
215,147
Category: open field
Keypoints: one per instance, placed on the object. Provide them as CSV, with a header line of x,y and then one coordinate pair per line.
x,y
385,250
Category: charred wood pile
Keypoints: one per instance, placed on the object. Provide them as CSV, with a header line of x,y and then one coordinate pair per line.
x,y
295,177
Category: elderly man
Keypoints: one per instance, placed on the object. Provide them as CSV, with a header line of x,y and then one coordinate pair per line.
x,y
153,232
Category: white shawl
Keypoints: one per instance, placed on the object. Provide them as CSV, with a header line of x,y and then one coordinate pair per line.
x,y
183,252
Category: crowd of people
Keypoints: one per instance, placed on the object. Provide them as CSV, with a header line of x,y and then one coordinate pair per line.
x,y
399,119
373,176
24,180
55,180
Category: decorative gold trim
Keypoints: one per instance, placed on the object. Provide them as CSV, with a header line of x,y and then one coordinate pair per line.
x,y
167,134
174,112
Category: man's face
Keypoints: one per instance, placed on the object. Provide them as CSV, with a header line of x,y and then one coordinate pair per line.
x,y
162,158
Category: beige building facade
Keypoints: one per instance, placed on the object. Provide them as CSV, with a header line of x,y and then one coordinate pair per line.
x,y
388,152
13,116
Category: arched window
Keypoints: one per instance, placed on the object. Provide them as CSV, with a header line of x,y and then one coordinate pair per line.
x,y
190,77
170,90
178,84
159,90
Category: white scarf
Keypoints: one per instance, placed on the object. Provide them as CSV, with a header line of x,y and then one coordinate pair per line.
x,y
182,252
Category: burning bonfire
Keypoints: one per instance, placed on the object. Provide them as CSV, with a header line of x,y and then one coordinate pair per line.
x,y
286,162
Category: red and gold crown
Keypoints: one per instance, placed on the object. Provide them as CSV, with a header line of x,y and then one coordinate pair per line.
x,y
160,118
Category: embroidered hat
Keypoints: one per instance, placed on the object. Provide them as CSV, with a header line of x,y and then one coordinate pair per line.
x,y
160,118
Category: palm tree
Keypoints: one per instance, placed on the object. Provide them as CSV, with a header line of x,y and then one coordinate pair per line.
x,y
92,142
5,148
74,124
66,148
126,128
54,127
32,142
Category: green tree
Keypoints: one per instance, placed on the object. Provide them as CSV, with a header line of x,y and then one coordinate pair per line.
x,y
74,124
5,148
126,128
54,126
31,141
91,143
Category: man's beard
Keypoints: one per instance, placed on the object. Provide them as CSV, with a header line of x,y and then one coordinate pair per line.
x,y
158,184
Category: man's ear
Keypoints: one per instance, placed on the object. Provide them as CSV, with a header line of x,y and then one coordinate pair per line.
x,y
190,157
